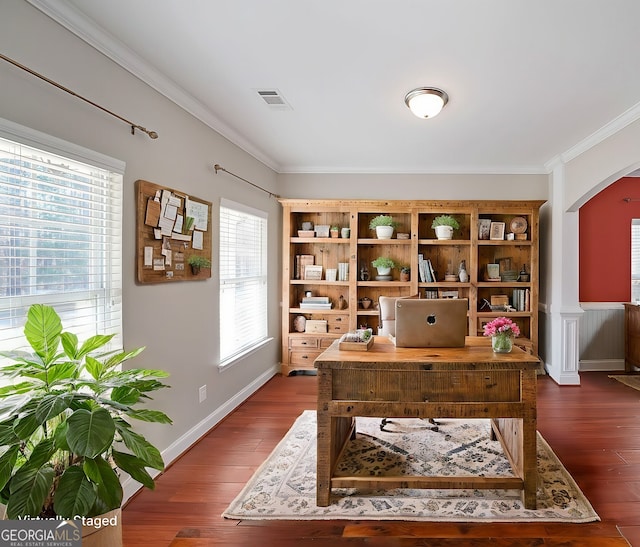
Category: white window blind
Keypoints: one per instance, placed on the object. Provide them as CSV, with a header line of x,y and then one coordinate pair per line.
x,y
635,260
60,236
243,279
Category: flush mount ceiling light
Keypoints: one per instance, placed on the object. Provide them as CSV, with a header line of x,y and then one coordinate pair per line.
x,y
426,102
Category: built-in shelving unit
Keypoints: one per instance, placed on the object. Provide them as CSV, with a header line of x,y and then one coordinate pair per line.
x,y
513,226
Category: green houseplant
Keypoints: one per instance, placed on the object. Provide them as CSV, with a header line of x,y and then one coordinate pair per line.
x,y
383,264
197,262
444,225
65,431
383,225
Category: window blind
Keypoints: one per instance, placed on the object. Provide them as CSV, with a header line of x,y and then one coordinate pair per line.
x,y
60,240
243,279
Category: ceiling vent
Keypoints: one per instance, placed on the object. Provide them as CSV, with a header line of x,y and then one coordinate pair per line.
x,y
274,99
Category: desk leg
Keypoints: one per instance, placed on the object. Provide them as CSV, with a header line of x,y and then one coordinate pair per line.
x,y
529,438
324,451
530,470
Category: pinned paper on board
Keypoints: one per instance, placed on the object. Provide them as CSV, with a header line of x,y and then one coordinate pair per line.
x,y
171,227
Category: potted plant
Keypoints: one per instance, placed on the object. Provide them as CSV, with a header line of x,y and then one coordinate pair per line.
x,y
197,262
383,264
66,431
383,225
405,272
444,225
334,231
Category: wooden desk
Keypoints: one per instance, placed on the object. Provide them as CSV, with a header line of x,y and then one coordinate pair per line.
x,y
469,382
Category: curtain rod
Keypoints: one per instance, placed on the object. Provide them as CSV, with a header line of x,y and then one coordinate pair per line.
x,y
628,200
217,168
152,134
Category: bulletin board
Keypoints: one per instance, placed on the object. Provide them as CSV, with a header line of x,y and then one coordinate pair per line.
x,y
171,227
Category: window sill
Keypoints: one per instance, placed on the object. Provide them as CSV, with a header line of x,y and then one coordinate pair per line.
x,y
227,364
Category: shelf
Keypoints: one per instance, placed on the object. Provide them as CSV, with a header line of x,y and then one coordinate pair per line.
x,y
368,241
414,217
444,242
505,243
319,282
332,311
333,240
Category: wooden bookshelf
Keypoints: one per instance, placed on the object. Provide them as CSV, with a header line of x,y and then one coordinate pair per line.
x,y
299,349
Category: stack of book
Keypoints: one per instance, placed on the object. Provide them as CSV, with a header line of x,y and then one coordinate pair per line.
x,y
315,303
425,268
343,271
521,299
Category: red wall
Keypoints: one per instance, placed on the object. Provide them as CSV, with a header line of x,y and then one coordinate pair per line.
x,y
605,242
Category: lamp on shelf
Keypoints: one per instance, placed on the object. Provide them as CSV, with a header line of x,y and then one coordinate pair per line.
x,y
426,102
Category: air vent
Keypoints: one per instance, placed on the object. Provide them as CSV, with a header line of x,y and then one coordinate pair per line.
x,y
273,98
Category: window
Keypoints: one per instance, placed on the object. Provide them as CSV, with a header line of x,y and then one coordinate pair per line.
x,y
60,235
635,260
243,279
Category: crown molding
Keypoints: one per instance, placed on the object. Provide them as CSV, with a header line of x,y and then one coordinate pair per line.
x,y
85,29
441,170
611,128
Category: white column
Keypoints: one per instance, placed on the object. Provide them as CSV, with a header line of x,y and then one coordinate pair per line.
x,y
562,275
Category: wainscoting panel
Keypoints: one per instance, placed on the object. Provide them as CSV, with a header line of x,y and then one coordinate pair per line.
x,y
602,336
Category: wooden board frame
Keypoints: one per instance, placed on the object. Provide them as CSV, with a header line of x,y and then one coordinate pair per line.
x,y
166,257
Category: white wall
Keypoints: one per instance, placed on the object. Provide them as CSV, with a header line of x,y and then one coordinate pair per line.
x,y
177,322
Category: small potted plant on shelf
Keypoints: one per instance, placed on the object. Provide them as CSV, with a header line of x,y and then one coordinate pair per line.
x,y
383,264
405,272
334,231
444,225
67,430
383,225
197,262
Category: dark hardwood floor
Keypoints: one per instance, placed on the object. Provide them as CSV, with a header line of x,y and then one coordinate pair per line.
x,y
593,428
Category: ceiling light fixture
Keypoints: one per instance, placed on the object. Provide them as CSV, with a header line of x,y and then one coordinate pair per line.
x,y
426,102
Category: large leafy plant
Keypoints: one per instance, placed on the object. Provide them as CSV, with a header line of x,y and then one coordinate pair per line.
x,y
65,430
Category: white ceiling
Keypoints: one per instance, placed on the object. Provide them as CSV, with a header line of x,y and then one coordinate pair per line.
x,y
527,80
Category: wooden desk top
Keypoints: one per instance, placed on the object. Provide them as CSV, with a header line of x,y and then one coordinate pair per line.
x,y
477,350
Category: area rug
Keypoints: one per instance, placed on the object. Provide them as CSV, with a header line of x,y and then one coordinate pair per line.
x,y
630,380
284,487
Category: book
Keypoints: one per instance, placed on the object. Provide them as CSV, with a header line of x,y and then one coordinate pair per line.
x,y
315,306
318,299
300,263
430,272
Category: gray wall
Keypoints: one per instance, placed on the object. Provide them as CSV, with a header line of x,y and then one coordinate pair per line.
x,y
177,322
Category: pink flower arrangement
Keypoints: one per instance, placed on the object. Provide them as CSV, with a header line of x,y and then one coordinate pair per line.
x,y
501,326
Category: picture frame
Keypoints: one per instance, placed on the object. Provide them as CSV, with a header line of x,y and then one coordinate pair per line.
x,y
497,231
484,228
313,272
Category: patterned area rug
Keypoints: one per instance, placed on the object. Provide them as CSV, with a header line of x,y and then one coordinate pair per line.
x,y
627,379
285,485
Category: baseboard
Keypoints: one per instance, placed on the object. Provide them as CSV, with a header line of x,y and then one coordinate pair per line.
x,y
609,365
186,441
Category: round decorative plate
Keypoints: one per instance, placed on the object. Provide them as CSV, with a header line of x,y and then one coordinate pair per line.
x,y
518,225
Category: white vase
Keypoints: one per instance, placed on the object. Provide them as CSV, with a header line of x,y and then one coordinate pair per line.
x,y
384,232
444,232
383,271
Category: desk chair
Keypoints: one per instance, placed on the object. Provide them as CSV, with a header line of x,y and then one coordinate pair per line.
x,y
386,327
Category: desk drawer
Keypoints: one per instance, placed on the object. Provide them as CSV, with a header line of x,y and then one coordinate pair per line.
x,y
426,386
